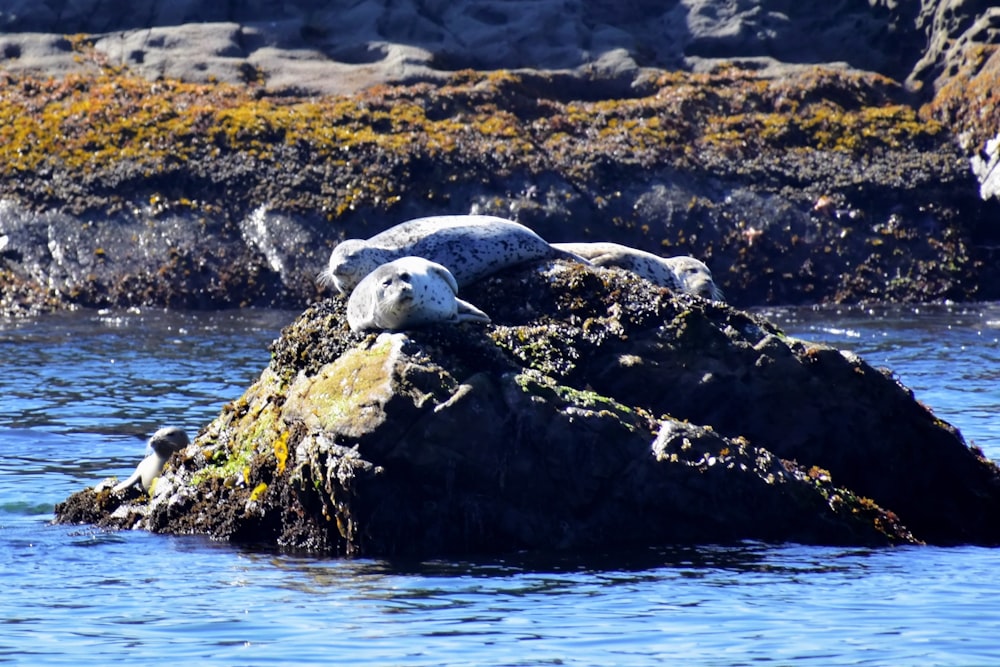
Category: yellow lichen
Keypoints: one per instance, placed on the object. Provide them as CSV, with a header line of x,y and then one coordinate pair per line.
x,y
369,149
258,491
347,393
281,451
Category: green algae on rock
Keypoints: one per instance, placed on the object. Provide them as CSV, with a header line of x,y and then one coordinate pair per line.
x,y
641,427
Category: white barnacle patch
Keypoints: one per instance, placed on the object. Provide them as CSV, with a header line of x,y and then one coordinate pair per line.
x,y
630,360
851,357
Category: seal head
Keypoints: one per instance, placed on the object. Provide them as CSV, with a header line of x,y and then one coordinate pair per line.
x,y
695,277
351,261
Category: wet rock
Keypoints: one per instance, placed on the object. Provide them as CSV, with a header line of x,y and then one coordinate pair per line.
x,y
597,411
785,198
155,254
799,168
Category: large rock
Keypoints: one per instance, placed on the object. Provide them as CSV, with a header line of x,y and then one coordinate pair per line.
x,y
596,412
815,187
778,156
152,252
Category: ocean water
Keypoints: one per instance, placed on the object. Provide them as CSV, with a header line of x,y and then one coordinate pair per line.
x,y
80,392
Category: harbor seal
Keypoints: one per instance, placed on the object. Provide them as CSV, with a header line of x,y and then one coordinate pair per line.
x,y
164,443
470,246
680,274
408,292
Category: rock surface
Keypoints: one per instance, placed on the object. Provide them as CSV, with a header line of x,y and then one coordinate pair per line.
x,y
597,412
210,196
316,46
806,153
320,47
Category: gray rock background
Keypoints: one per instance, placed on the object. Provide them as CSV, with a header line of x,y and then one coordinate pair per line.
x,y
344,45
926,202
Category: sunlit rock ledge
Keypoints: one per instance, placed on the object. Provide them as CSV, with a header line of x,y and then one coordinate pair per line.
x,y
595,412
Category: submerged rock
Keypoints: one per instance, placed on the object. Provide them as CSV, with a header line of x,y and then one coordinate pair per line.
x,y
597,411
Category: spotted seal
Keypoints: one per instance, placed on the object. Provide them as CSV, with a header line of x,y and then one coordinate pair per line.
x,y
408,292
470,246
681,273
164,443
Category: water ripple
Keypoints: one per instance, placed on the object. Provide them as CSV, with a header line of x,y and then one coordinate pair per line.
x,y
82,391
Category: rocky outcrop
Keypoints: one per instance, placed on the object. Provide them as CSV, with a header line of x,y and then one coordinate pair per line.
x,y
953,28
214,196
596,412
318,47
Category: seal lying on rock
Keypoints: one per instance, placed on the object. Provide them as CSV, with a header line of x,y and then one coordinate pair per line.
x,y
681,273
408,292
470,246
164,443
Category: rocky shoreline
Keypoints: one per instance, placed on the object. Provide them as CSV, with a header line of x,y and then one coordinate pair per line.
x,y
597,412
188,169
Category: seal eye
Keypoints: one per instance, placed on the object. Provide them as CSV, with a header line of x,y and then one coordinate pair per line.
x,y
404,276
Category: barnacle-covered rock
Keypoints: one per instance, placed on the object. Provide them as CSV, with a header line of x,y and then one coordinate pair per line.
x,y
597,411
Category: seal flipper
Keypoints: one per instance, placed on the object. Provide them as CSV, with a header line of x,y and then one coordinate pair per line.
x,y
121,486
469,313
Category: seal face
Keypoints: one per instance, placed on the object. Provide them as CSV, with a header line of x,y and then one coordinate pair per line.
x,y
695,277
470,246
351,261
680,274
408,292
164,443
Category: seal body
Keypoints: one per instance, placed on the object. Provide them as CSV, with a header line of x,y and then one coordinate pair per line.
x,y
680,274
470,246
164,443
408,292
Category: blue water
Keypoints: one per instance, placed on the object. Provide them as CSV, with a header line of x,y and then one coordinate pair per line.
x,y
79,393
